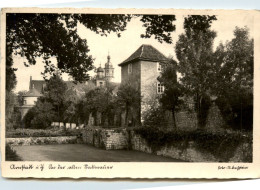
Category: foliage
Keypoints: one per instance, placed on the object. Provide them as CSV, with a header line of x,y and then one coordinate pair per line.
x,y
194,50
32,35
20,97
233,80
55,94
49,36
97,100
40,116
44,114
202,105
23,133
160,26
49,107
129,99
155,117
10,154
221,144
27,120
71,102
172,88
13,114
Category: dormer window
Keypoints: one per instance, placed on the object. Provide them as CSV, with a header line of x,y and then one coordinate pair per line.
x,y
159,67
130,68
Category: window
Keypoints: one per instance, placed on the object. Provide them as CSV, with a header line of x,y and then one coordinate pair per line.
x,y
24,102
160,88
159,67
130,68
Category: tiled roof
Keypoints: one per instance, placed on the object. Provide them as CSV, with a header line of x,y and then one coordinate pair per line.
x,y
38,85
33,93
146,53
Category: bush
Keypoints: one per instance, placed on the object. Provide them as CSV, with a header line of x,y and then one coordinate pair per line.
x,y
237,110
29,117
10,154
221,144
155,117
20,133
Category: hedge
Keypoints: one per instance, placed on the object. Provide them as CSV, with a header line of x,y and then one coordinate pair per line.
x,y
20,133
222,144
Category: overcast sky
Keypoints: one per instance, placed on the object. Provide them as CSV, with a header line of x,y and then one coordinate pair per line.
x,y
121,48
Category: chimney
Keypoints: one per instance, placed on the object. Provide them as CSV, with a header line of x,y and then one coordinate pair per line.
x,y
30,85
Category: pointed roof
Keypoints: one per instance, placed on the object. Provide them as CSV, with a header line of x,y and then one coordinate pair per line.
x,y
37,84
32,93
146,53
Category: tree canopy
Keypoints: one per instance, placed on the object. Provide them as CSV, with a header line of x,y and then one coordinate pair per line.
x,y
33,35
233,79
173,90
194,50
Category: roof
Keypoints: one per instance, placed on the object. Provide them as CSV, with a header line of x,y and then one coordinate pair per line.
x,y
100,69
146,53
32,93
37,84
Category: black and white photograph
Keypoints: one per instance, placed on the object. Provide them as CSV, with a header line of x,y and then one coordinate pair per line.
x,y
129,87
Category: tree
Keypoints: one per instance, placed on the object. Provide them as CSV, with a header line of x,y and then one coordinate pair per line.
x,y
11,103
194,50
55,94
234,79
32,35
101,100
128,98
20,97
27,120
172,89
43,114
70,103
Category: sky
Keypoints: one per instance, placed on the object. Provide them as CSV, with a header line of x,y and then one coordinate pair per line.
x,y
121,48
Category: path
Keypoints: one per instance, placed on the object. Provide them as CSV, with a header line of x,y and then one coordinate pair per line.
x,y
84,153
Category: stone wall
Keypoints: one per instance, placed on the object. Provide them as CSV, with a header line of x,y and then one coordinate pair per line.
x,y
42,140
106,138
113,139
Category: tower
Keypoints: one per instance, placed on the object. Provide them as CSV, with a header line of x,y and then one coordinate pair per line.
x,y
109,70
100,79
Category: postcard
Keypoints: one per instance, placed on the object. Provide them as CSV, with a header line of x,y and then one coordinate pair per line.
x,y
130,93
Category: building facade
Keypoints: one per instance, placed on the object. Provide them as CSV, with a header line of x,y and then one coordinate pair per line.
x,y
36,88
141,70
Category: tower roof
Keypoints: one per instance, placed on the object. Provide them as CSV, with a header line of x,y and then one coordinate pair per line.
x,y
100,69
108,64
146,53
